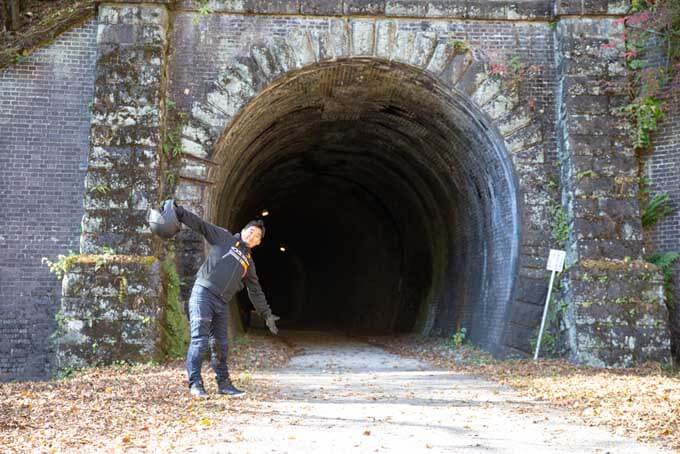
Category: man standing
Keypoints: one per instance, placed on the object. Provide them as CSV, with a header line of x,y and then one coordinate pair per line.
x,y
221,276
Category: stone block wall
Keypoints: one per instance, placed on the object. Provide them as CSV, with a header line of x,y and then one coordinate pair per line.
x,y
122,179
625,320
110,311
613,314
115,312
44,137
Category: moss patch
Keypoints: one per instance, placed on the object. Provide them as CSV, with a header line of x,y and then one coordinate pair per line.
x,y
174,327
614,264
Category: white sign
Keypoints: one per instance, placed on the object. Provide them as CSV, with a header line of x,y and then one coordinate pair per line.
x,y
556,260
555,263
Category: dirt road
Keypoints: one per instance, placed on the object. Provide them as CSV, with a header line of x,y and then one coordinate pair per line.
x,y
340,395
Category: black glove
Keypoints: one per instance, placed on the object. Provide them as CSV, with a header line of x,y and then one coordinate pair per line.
x,y
271,323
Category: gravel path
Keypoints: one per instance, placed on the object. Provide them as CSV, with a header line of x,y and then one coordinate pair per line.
x,y
340,395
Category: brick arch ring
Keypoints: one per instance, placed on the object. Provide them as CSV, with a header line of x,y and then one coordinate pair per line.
x,y
263,64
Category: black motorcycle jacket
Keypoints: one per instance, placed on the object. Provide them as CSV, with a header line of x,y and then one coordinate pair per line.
x,y
229,263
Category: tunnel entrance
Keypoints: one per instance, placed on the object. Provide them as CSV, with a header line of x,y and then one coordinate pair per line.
x,y
392,204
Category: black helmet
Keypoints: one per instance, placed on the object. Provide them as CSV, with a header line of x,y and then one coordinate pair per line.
x,y
164,224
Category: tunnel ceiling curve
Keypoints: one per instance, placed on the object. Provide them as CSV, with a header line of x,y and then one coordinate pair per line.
x,y
392,196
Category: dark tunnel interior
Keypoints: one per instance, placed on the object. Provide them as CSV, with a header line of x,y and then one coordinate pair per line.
x,y
392,207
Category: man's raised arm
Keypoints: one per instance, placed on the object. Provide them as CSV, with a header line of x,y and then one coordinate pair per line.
x,y
211,232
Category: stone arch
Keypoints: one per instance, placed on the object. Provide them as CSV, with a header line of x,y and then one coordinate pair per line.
x,y
449,61
439,61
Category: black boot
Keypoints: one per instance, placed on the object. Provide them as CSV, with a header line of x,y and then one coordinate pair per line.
x,y
226,387
197,390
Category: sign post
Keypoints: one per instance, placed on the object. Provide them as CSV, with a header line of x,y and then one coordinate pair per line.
x,y
555,264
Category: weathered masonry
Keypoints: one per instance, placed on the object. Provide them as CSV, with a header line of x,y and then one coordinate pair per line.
x,y
415,158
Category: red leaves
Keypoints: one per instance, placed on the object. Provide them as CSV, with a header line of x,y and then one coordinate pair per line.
x,y
630,54
634,19
638,18
497,69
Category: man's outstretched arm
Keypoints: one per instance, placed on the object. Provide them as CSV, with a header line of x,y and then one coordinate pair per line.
x,y
258,299
211,232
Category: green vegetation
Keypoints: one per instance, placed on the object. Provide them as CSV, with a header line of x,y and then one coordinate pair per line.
x,y
651,25
101,189
105,256
122,287
552,184
66,372
205,9
584,174
665,263
459,47
458,339
63,263
549,340
174,327
559,225
645,113
172,148
658,207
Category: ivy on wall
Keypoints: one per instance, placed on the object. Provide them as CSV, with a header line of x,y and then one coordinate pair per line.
x,y
651,31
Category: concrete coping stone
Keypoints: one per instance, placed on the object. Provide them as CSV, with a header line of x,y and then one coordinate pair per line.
x,y
443,9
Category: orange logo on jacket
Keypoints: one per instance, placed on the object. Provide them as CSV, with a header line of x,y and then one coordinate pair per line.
x,y
242,258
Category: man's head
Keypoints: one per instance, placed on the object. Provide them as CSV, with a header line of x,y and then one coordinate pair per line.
x,y
253,233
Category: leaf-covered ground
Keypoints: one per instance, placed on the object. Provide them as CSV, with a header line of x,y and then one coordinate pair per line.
x,y
641,402
141,407
147,407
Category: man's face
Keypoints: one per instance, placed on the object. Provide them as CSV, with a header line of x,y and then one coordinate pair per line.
x,y
252,236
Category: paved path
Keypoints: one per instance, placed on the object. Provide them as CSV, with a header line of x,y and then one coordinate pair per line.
x,y
340,396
